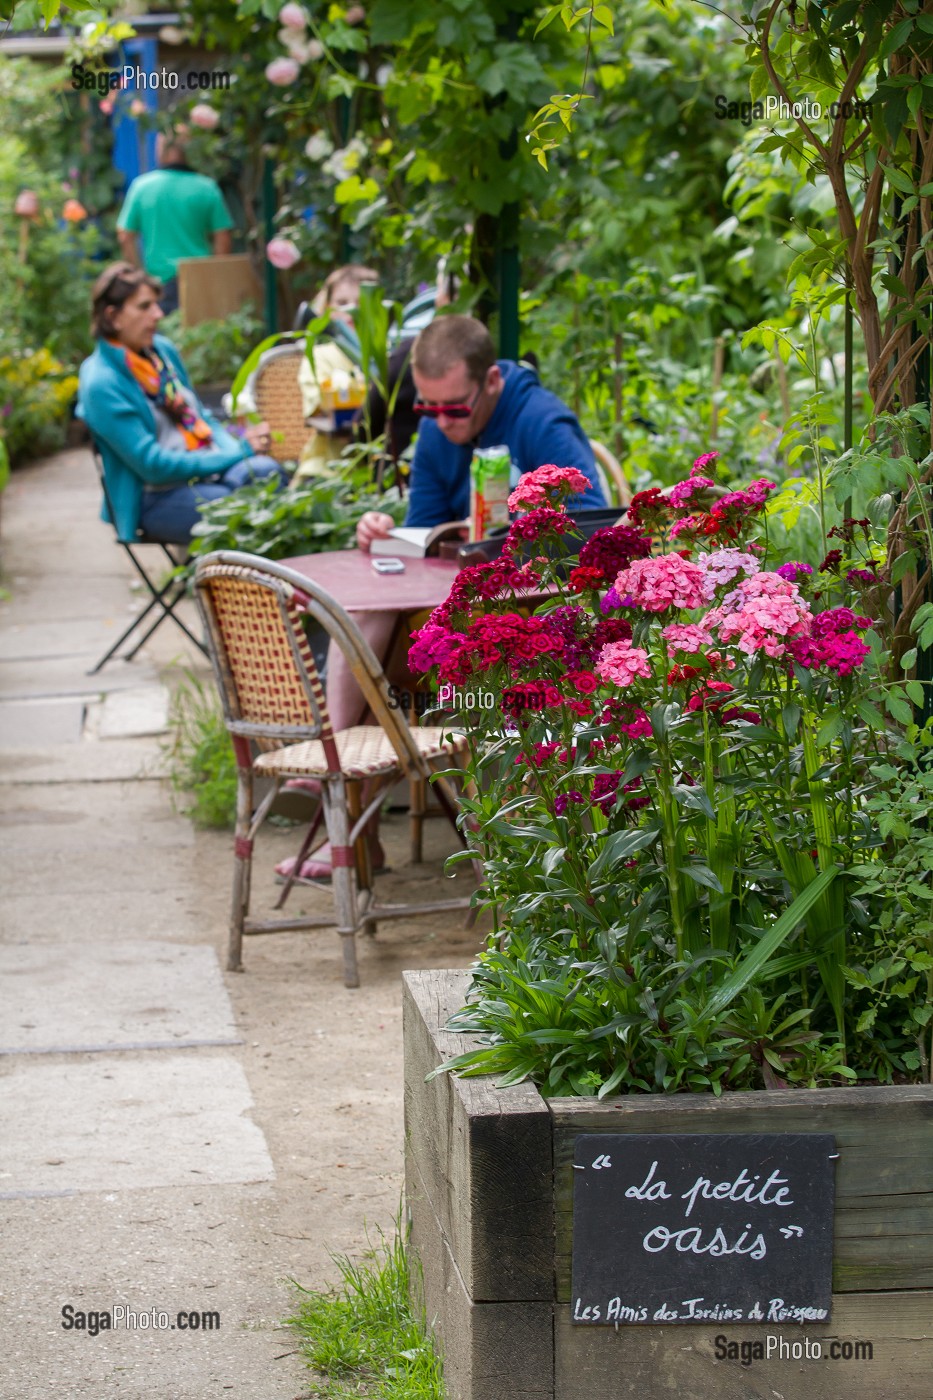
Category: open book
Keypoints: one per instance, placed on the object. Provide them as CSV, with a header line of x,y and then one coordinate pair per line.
x,y
416,541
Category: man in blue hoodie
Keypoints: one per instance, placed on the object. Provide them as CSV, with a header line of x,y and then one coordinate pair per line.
x,y
467,399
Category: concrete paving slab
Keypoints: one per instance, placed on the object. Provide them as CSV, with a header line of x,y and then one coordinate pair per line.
x,y
227,1249
82,636
172,916
89,762
31,724
25,680
127,714
127,1122
124,996
107,817
93,866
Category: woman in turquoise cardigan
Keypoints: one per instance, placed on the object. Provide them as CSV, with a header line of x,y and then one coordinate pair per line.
x,y
163,453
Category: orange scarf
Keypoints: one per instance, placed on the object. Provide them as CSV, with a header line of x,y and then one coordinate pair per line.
x,y
160,385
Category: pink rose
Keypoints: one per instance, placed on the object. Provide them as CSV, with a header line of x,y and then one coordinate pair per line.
x,y
282,71
204,116
106,105
293,17
27,204
282,253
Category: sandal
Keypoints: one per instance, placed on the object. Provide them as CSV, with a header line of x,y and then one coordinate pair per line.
x,y
317,867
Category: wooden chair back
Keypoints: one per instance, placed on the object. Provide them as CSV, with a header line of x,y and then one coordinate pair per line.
x,y
610,469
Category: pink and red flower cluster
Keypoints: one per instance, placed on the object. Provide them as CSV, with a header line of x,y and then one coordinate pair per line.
x,y
540,487
665,581
761,614
833,644
621,663
496,637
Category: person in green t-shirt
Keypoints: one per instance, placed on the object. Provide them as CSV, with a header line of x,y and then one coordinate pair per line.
x,y
175,213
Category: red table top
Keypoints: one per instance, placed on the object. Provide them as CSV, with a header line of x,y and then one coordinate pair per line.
x,y
348,575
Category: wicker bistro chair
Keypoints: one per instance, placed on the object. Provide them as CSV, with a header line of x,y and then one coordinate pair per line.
x,y
276,712
277,394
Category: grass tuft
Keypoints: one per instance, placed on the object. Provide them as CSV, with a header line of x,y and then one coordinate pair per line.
x,y
364,1339
202,762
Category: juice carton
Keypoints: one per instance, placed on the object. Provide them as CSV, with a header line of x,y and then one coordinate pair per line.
x,y
490,487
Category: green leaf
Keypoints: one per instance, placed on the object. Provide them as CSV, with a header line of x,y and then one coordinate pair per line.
x,y
896,37
790,717
830,730
623,844
768,945
898,708
251,361
905,185
603,15
703,876
549,15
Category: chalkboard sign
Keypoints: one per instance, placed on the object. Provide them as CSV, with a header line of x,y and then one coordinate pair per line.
x,y
702,1228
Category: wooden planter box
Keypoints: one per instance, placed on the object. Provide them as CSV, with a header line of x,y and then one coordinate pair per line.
x,y
488,1181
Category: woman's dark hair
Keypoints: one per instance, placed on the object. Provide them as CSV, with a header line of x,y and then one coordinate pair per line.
x,y
113,288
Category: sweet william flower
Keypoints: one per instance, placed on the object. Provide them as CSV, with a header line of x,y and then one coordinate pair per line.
x,y
282,72
687,637
282,253
663,582
621,663
538,488
794,570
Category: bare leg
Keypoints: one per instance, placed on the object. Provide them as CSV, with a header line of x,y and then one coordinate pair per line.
x,y
344,697
346,705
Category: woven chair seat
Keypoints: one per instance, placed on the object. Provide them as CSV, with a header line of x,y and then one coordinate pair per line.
x,y
365,752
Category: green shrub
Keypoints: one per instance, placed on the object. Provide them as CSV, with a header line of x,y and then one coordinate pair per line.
x,y
34,402
214,350
313,515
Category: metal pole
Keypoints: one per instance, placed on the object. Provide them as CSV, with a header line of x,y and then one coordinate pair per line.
x,y
268,218
509,280
847,384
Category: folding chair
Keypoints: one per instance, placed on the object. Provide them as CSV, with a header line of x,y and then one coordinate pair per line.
x,y
276,713
163,600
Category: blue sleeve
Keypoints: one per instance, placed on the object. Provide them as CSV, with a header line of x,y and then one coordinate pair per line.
x,y
126,428
561,440
429,501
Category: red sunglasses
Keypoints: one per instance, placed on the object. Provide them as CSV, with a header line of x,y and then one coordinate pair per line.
x,y
447,410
